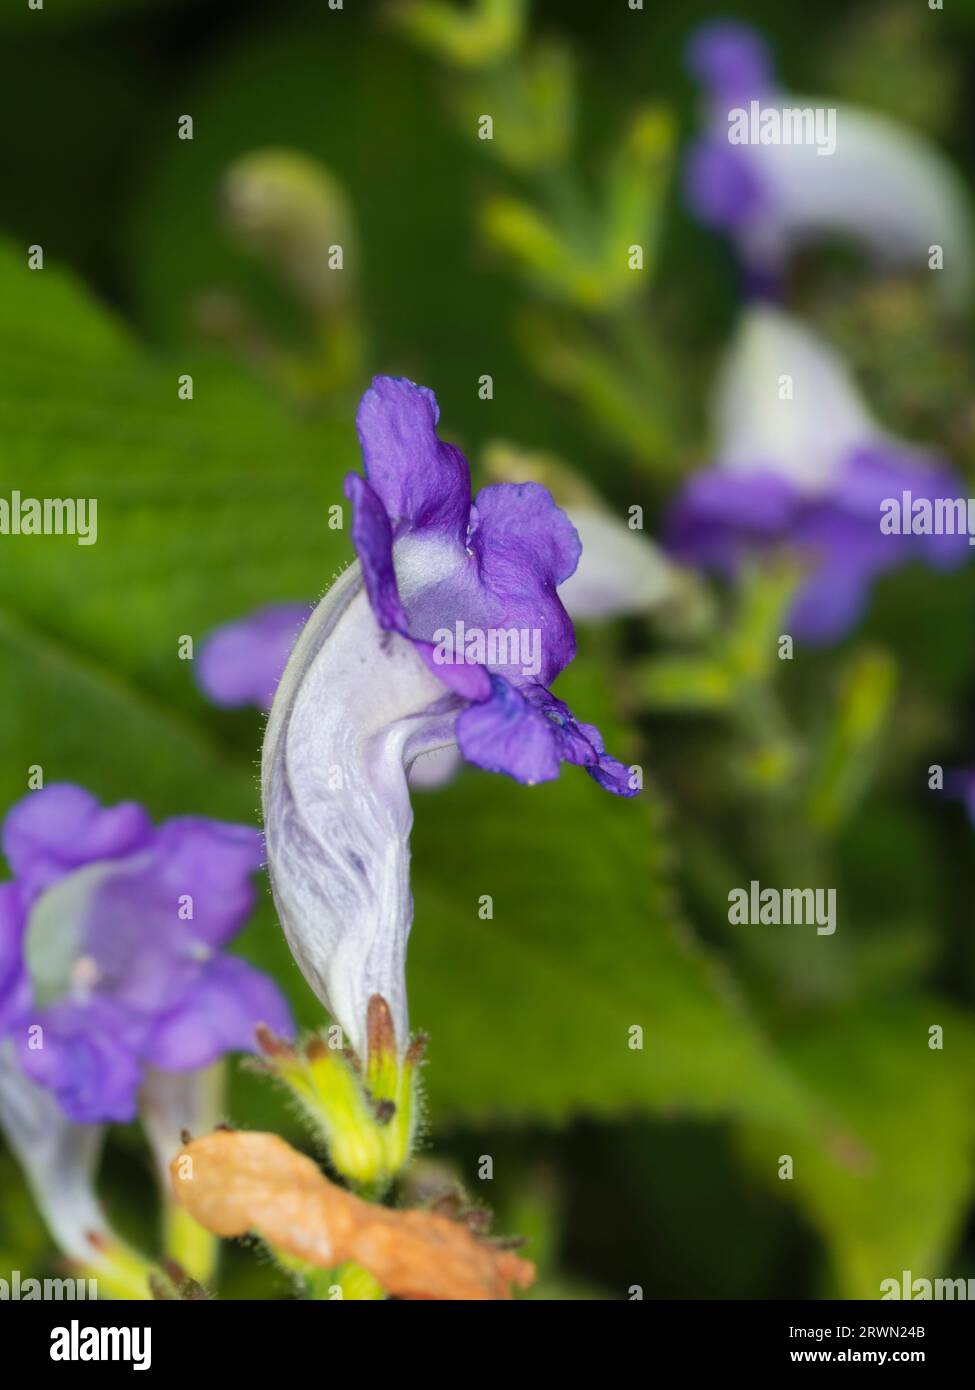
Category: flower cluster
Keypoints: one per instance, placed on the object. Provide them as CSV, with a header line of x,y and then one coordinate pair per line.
x,y
112,939
116,994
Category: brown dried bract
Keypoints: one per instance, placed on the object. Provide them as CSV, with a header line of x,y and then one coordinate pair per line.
x,y
380,1030
239,1182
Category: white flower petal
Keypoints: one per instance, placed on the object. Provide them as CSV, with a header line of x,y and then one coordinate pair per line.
x,y
757,425
173,1101
884,187
58,1159
619,572
435,769
354,708
53,941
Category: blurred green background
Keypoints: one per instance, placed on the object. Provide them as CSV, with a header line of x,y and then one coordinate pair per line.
x,y
658,1167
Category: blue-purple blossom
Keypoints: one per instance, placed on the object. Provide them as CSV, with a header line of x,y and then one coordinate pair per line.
x,y
432,556
112,937
619,572
369,690
881,187
241,662
800,463
959,785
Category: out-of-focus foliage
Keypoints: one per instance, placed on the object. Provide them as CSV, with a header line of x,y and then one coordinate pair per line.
x,y
657,1165
873,1198
17,15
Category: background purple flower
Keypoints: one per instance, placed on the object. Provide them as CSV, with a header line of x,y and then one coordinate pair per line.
x,y
808,471
874,182
959,784
111,936
241,663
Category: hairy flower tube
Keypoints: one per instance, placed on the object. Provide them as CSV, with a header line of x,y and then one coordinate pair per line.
x,y
801,463
113,976
857,175
448,630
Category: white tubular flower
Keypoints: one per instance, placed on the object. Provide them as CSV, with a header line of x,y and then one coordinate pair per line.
x,y
58,1159
353,708
800,463
776,171
375,682
622,572
785,402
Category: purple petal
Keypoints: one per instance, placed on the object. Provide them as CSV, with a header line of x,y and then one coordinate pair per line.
x,y
89,1060
152,926
719,515
582,744
468,680
525,547
520,548
241,663
431,561
721,185
214,861
423,483
15,990
830,602
373,540
507,734
613,776
372,537
880,472
730,60
219,1015
50,832
528,734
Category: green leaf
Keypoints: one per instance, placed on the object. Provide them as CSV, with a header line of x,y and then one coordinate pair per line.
x,y
889,1192
211,506
531,1010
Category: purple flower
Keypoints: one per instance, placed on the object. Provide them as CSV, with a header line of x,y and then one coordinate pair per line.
x,y
959,785
431,557
448,631
111,941
241,662
619,572
801,463
770,178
